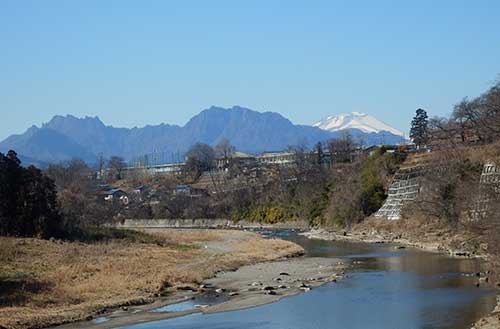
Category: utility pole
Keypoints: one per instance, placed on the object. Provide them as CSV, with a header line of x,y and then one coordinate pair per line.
x,y
101,165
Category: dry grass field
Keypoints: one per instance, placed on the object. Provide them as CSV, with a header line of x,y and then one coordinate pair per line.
x,y
44,282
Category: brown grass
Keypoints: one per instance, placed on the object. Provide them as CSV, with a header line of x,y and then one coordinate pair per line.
x,y
44,283
191,235
480,154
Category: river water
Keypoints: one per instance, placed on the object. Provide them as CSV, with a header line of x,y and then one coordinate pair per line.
x,y
385,288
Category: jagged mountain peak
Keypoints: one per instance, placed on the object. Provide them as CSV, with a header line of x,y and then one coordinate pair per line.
x,y
69,119
236,112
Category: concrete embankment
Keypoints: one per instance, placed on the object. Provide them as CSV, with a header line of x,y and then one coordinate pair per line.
x,y
202,223
175,223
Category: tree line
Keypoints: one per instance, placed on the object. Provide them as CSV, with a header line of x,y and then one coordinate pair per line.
x,y
472,122
58,202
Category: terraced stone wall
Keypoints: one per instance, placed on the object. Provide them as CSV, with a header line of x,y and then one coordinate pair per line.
x,y
489,181
404,188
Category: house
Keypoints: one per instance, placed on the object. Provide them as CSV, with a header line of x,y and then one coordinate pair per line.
x,y
139,189
239,158
113,195
277,158
182,190
370,150
189,191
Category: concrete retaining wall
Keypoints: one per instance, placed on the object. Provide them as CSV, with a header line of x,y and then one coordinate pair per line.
x,y
175,223
404,188
488,183
203,223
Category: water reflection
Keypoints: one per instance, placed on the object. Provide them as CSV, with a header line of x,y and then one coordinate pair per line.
x,y
179,307
387,288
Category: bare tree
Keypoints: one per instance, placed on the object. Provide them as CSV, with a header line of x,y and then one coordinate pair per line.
x,y
224,149
200,158
472,121
341,148
74,175
117,164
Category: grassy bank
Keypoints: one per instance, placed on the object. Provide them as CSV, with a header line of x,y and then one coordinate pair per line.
x,y
45,282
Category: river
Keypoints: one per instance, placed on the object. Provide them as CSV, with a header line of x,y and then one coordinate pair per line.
x,y
385,288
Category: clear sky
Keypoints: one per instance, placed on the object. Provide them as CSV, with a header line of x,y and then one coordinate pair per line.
x,y
134,63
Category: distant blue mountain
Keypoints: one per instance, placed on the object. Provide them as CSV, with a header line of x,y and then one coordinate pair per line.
x,y
46,145
67,137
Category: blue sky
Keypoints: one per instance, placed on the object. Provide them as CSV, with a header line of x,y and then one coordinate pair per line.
x,y
134,63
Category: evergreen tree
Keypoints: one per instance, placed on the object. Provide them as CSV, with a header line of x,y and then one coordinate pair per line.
x,y
418,131
28,204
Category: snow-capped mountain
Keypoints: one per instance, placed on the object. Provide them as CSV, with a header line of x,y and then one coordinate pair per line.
x,y
356,120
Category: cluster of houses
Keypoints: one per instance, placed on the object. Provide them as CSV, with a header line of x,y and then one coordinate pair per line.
x,y
253,166
244,160
125,196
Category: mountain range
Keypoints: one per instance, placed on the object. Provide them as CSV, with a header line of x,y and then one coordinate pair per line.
x,y
67,137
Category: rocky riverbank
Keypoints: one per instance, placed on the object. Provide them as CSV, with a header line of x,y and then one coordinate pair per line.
x,y
268,282
247,286
384,237
432,237
492,321
436,240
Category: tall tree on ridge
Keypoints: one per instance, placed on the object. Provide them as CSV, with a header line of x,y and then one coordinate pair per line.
x,y
419,128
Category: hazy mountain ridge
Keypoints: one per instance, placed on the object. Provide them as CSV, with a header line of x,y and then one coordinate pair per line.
x,y
67,137
85,138
46,145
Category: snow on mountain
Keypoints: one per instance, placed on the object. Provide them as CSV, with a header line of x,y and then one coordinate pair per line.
x,y
355,120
